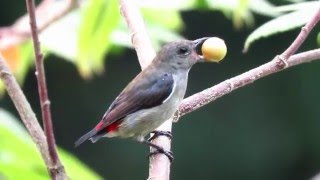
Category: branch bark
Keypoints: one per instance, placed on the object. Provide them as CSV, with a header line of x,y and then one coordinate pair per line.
x,y
25,111
58,172
139,35
159,165
301,37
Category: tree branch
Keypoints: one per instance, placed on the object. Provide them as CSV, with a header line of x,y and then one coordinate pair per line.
x,y
301,37
277,64
159,166
25,111
43,94
139,35
206,96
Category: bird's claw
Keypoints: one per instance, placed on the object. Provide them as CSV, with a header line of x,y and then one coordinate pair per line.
x,y
169,154
160,133
157,149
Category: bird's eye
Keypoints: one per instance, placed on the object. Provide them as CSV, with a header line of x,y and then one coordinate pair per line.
x,y
183,51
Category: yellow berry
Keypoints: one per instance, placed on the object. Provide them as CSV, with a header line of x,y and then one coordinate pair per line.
x,y
214,49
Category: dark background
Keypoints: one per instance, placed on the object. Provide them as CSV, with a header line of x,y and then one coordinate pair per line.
x,y
266,130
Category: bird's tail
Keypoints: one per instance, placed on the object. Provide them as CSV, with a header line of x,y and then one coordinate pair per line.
x,y
92,135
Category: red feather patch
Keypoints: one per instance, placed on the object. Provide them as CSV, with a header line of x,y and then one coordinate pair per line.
x,y
112,127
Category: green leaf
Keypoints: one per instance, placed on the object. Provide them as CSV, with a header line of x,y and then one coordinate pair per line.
x,y
160,29
99,19
161,35
297,6
168,4
151,16
85,35
237,10
75,168
158,34
295,1
263,7
281,24
19,158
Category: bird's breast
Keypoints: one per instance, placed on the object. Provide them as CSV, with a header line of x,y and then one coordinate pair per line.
x,y
144,121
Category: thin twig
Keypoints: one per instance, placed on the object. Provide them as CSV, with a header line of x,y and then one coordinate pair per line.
x,y
206,96
48,12
159,166
43,94
301,37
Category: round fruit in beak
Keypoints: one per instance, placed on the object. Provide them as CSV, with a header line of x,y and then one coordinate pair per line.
x,y
214,49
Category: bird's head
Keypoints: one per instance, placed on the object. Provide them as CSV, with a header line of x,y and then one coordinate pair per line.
x,y
182,54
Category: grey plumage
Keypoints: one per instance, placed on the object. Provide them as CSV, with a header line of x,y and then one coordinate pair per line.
x,y
152,96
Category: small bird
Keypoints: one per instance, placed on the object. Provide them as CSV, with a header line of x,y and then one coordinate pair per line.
x,y
151,97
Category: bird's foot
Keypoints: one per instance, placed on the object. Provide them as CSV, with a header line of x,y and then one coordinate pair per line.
x,y
160,133
158,150
169,154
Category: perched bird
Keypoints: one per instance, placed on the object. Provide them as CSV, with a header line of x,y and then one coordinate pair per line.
x,y
151,97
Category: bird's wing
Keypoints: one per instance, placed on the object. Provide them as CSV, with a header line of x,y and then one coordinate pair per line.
x,y
142,94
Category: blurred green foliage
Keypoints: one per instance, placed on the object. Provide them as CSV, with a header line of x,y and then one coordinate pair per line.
x,y
87,33
255,144
292,16
20,159
98,20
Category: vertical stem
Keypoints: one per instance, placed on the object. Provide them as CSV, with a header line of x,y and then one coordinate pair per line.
x,y
159,165
139,35
43,93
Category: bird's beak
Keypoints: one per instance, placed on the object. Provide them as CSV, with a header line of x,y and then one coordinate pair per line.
x,y
197,47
